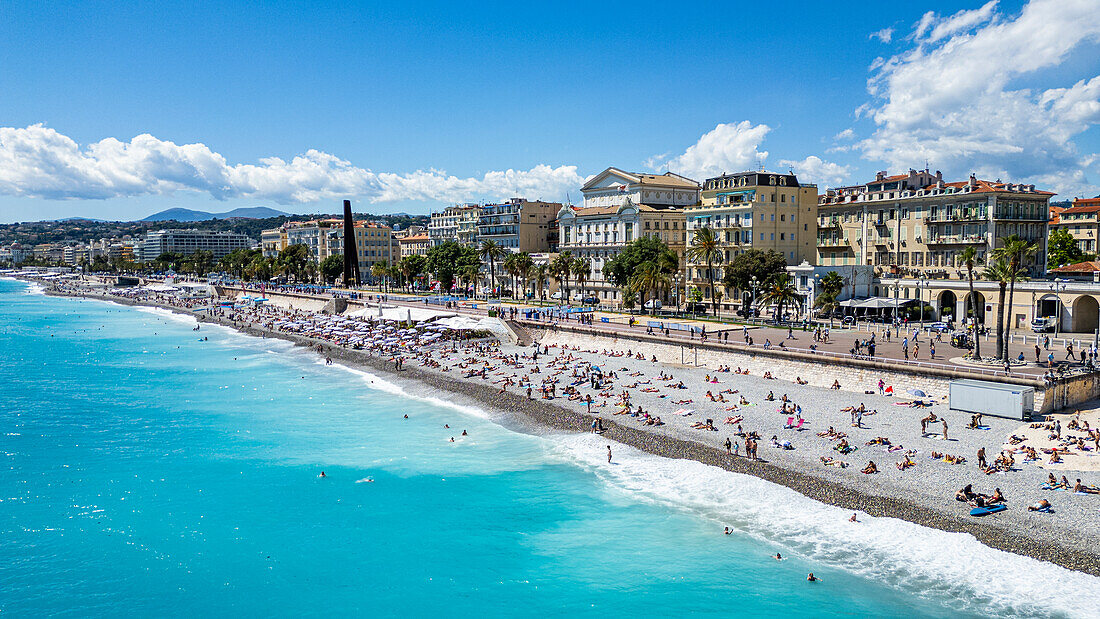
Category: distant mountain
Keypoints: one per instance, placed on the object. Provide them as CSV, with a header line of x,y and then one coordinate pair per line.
x,y
186,214
82,219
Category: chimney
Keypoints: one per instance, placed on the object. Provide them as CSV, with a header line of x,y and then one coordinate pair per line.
x,y
351,256
880,175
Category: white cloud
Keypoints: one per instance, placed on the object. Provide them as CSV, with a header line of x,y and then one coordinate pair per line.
x,y
39,162
735,147
728,147
847,134
813,169
885,35
951,98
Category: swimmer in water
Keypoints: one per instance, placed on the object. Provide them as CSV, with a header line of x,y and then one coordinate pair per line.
x,y
452,439
728,531
853,518
406,416
447,425
323,474
464,433
810,577
778,557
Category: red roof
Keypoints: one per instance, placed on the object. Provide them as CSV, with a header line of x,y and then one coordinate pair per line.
x,y
1089,266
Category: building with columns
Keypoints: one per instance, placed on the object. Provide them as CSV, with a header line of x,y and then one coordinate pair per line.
x,y
916,223
620,207
752,210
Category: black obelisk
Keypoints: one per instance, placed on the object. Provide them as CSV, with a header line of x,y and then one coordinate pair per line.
x,y
351,256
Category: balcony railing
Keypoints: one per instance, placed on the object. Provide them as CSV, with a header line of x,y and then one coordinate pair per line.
x,y
955,239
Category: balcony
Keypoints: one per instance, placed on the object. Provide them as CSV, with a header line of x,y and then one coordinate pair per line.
x,y
830,224
881,222
832,242
955,239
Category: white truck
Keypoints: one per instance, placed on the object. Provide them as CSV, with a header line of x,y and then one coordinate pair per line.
x,y
1044,324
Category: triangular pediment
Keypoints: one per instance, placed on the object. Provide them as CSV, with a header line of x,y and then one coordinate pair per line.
x,y
611,177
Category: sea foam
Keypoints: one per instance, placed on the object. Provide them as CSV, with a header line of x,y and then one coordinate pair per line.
x,y
952,567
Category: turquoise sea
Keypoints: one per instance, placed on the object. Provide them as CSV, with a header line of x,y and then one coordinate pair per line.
x,y
148,471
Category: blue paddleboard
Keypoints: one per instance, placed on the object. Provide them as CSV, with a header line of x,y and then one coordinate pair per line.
x,y
985,511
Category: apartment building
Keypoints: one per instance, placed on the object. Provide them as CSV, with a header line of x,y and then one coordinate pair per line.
x,y
446,225
374,243
273,241
518,225
620,207
187,242
916,223
1080,220
748,210
414,245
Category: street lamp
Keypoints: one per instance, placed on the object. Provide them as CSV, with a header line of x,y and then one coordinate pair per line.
x,y
755,282
922,281
1058,300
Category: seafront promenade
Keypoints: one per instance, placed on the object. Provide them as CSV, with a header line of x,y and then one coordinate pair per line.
x,y
669,405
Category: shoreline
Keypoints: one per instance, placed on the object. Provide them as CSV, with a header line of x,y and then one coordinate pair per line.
x,y
550,416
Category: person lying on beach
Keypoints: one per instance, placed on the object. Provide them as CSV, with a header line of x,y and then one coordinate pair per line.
x,y
736,419
905,463
830,461
1042,506
1083,489
836,385
871,468
798,379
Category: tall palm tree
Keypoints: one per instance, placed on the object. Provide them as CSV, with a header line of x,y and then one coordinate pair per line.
x,y
650,277
492,251
542,277
706,248
380,270
469,273
997,270
523,265
1017,251
560,269
969,257
781,291
582,270
511,268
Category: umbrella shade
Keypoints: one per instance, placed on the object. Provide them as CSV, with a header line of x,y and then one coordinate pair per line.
x,y
918,393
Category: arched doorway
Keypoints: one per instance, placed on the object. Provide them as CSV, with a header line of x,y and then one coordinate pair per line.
x,y
1050,306
977,304
1085,314
945,305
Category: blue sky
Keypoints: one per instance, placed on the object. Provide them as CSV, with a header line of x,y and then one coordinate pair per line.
x,y
408,106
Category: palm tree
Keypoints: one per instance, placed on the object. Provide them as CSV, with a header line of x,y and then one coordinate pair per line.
x,y
781,291
469,274
542,277
833,286
582,270
1017,251
560,268
998,271
492,251
969,257
379,270
649,277
511,269
523,265
706,248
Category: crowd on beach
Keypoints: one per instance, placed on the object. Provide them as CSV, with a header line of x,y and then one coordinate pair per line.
x,y
629,385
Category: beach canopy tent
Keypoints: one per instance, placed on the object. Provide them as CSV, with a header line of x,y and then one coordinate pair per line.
x,y
393,312
873,305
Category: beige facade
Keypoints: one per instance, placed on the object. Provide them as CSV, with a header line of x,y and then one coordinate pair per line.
x,y
273,241
414,245
916,223
373,244
518,225
1080,220
752,210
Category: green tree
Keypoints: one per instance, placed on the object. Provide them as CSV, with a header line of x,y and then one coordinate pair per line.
x,y
649,277
706,248
762,264
448,259
259,269
781,292
380,271
969,257
332,268
1017,252
492,251
412,267
620,269
1062,249
582,270
997,270
542,278
560,269
292,260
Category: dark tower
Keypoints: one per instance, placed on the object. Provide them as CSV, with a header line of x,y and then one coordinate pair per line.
x,y
351,256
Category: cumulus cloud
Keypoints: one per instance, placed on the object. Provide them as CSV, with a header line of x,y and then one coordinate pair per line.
x,y
815,170
735,147
39,162
847,134
885,35
952,99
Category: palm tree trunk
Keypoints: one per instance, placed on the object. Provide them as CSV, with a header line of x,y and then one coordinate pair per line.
x,y
1001,323
974,308
1008,326
713,299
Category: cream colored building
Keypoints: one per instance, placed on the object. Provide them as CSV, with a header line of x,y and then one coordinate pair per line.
x,y
273,241
752,210
414,245
1080,220
916,223
620,207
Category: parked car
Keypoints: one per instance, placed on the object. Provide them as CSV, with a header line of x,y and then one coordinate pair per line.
x,y
557,296
652,304
695,307
591,300
939,327
748,312
1044,324
961,339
